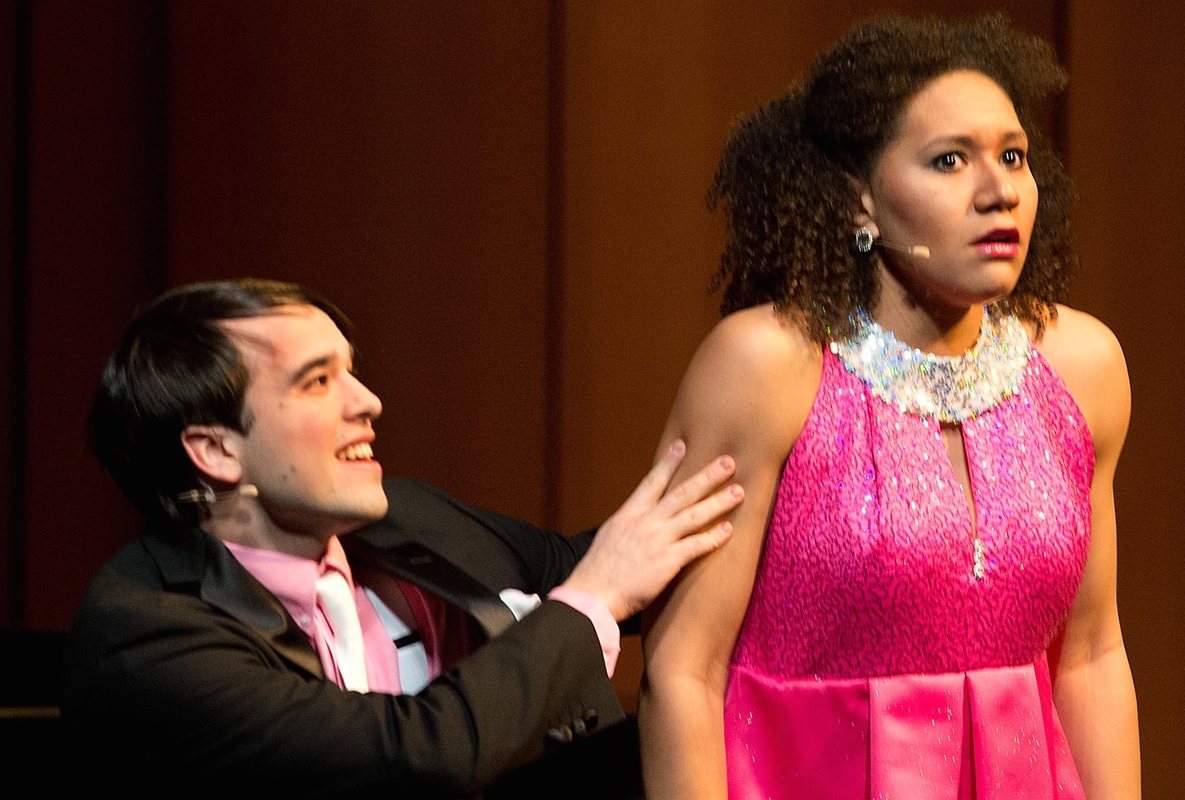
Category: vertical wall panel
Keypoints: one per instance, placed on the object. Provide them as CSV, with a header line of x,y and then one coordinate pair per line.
x,y
392,155
13,28
649,97
1126,134
94,250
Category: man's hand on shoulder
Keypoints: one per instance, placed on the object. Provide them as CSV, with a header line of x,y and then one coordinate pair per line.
x,y
656,533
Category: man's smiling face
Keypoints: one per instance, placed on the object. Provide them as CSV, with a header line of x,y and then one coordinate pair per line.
x,y
308,418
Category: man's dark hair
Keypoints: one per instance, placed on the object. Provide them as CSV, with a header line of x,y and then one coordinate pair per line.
x,y
785,178
177,366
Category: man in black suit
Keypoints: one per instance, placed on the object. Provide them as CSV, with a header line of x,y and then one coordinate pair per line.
x,y
213,652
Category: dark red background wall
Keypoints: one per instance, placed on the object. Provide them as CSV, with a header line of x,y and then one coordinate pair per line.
x,y
508,200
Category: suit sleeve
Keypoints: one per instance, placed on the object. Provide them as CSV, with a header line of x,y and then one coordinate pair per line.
x,y
165,691
542,559
536,560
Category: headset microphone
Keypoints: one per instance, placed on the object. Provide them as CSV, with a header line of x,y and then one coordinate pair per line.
x,y
918,250
209,496
864,243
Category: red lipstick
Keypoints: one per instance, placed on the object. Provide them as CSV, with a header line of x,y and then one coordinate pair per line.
x,y
999,243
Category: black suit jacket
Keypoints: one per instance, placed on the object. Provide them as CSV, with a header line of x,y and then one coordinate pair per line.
x,y
184,673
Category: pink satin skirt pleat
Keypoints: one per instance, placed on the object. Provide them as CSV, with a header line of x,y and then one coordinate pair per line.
x,y
987,734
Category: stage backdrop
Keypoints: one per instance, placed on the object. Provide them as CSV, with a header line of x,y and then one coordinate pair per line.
x,y
508,200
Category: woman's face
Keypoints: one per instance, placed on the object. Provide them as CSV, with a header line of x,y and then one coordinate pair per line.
x,y
955,179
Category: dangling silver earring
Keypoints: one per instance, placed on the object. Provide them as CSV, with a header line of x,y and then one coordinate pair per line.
x,y
864,240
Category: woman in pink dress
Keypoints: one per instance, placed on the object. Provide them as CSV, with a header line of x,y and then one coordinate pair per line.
x,y
918,600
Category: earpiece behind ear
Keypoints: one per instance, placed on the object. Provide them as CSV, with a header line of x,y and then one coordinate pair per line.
x,y
210,497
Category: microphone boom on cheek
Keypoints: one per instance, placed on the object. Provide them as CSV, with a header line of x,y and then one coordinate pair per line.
x,y
916,250
865,242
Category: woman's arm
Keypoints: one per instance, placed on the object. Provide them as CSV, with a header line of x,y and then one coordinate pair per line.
x,y
747,392
1092,682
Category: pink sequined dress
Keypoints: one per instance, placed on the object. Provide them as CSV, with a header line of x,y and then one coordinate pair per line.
x,y
873,661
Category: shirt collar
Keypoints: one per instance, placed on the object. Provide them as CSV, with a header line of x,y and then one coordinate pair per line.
x,y
292,579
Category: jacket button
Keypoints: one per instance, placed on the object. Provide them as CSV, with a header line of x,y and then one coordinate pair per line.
x,y
558,736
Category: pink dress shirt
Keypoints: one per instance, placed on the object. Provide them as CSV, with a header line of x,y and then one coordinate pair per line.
x,y
446,638
292,580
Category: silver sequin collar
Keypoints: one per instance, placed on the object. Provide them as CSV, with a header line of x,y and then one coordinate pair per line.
x,y
949,388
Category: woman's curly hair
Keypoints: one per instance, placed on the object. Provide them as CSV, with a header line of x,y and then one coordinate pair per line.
x,y
785,184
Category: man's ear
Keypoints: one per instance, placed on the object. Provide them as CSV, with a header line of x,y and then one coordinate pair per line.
x,y
215,451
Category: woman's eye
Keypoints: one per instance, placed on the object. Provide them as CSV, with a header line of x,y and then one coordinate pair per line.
x,y
948,162
1014,158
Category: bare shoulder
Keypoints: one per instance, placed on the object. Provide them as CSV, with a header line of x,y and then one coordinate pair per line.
x,y
758,339
1089,359
1075,342
1082,350
755,370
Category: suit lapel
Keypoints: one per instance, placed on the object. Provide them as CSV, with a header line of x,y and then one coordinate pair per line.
x,y
423,567
196,563
193,562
